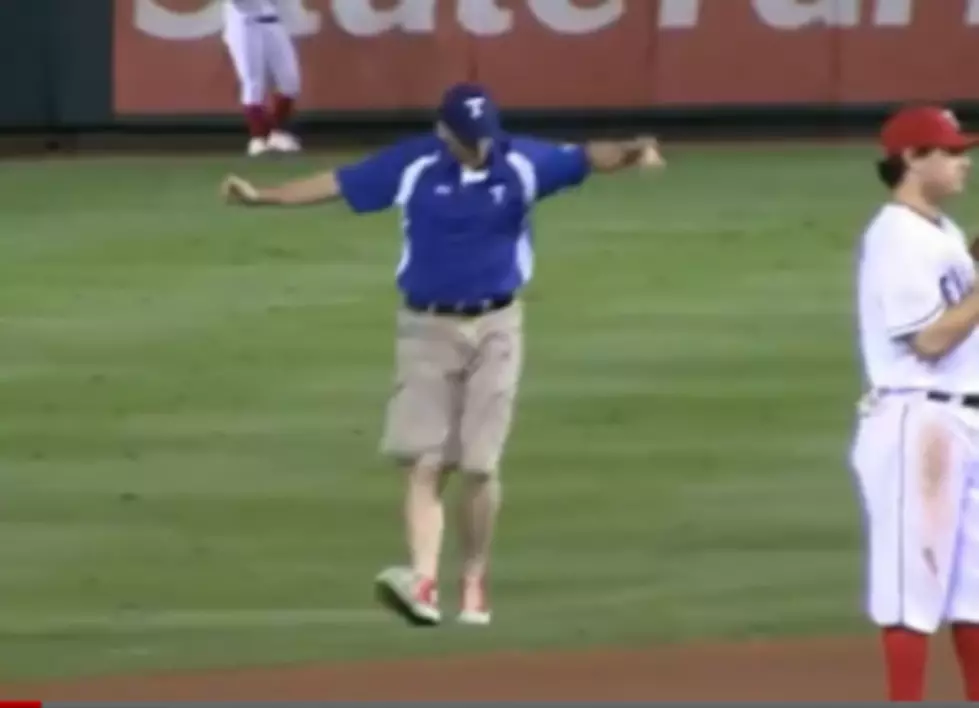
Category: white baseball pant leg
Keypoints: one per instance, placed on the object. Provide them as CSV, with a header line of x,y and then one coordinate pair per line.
x,y
282,60
905,448
246,42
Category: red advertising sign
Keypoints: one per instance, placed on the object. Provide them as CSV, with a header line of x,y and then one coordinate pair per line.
x,y
391,54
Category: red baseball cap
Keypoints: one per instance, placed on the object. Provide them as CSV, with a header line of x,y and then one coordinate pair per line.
x,y
925,127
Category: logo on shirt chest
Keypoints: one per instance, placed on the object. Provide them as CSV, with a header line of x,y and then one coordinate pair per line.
x,y
498,192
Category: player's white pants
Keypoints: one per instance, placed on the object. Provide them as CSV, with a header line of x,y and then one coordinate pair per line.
x,y
909,450
259,50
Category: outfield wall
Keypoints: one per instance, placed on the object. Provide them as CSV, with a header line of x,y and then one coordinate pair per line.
x,y
695,67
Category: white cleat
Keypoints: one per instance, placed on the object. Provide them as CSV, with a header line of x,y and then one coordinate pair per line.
x,y
408,595
280,141
257,146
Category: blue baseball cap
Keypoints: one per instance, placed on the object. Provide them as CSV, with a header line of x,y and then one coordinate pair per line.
x,y
470,113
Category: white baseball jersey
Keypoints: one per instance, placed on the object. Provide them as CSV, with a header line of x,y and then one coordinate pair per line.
x,y
911,269
916,460
252,8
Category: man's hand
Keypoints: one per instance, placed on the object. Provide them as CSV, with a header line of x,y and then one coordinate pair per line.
x,y
612,156
316,189
236,190
651,156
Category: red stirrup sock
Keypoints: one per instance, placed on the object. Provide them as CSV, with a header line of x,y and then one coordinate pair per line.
x,y
905,656
282,108
965,637
258,121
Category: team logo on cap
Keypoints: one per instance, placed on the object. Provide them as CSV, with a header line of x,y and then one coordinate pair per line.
x,y
476,106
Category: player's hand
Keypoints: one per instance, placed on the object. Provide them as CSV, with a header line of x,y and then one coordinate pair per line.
x,y
651,156
236,190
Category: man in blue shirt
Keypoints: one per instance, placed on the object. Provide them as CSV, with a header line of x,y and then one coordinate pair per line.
x,y
466,193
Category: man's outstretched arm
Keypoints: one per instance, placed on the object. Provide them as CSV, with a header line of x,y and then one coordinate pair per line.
x,y
615,155
368,185
316,189
558,167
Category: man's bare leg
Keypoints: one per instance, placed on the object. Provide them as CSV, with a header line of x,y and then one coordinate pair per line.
x,y
424,516
413,591
479,507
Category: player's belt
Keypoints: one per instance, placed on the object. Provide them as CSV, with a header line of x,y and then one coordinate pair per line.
x,y
267,19
460,309
970,400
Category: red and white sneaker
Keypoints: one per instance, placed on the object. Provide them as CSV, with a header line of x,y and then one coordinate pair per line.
x,y
474,610
405,592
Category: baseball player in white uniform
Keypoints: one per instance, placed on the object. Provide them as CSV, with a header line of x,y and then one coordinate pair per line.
x,y
915,453
261,48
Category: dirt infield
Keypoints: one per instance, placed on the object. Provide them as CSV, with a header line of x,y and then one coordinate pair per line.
x,y
825,669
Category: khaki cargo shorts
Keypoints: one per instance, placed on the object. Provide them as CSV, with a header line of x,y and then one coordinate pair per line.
x,y
456,382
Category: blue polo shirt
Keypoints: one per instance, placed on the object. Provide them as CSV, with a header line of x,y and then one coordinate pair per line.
x,y
467,234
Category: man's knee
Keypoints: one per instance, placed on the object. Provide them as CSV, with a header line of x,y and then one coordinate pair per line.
x,y
289,85
485,432
252,92
429,470
482,460
477,485
475,477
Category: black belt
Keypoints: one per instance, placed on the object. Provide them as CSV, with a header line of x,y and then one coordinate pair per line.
x,y
969,400
267,19
460,309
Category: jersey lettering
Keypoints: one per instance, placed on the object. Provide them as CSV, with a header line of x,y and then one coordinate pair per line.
x,y
911,271
953,290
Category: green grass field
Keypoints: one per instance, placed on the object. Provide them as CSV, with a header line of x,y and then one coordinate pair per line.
x,y
190,399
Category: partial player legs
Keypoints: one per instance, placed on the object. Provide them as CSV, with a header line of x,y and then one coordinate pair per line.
x,y
282,109
258,50
913,511
259,127
905,659
414,598
412,591
479,506
452,409
283,64
965,638
424,515
419,433
964,604
491,390
280,139
918,573
246,47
